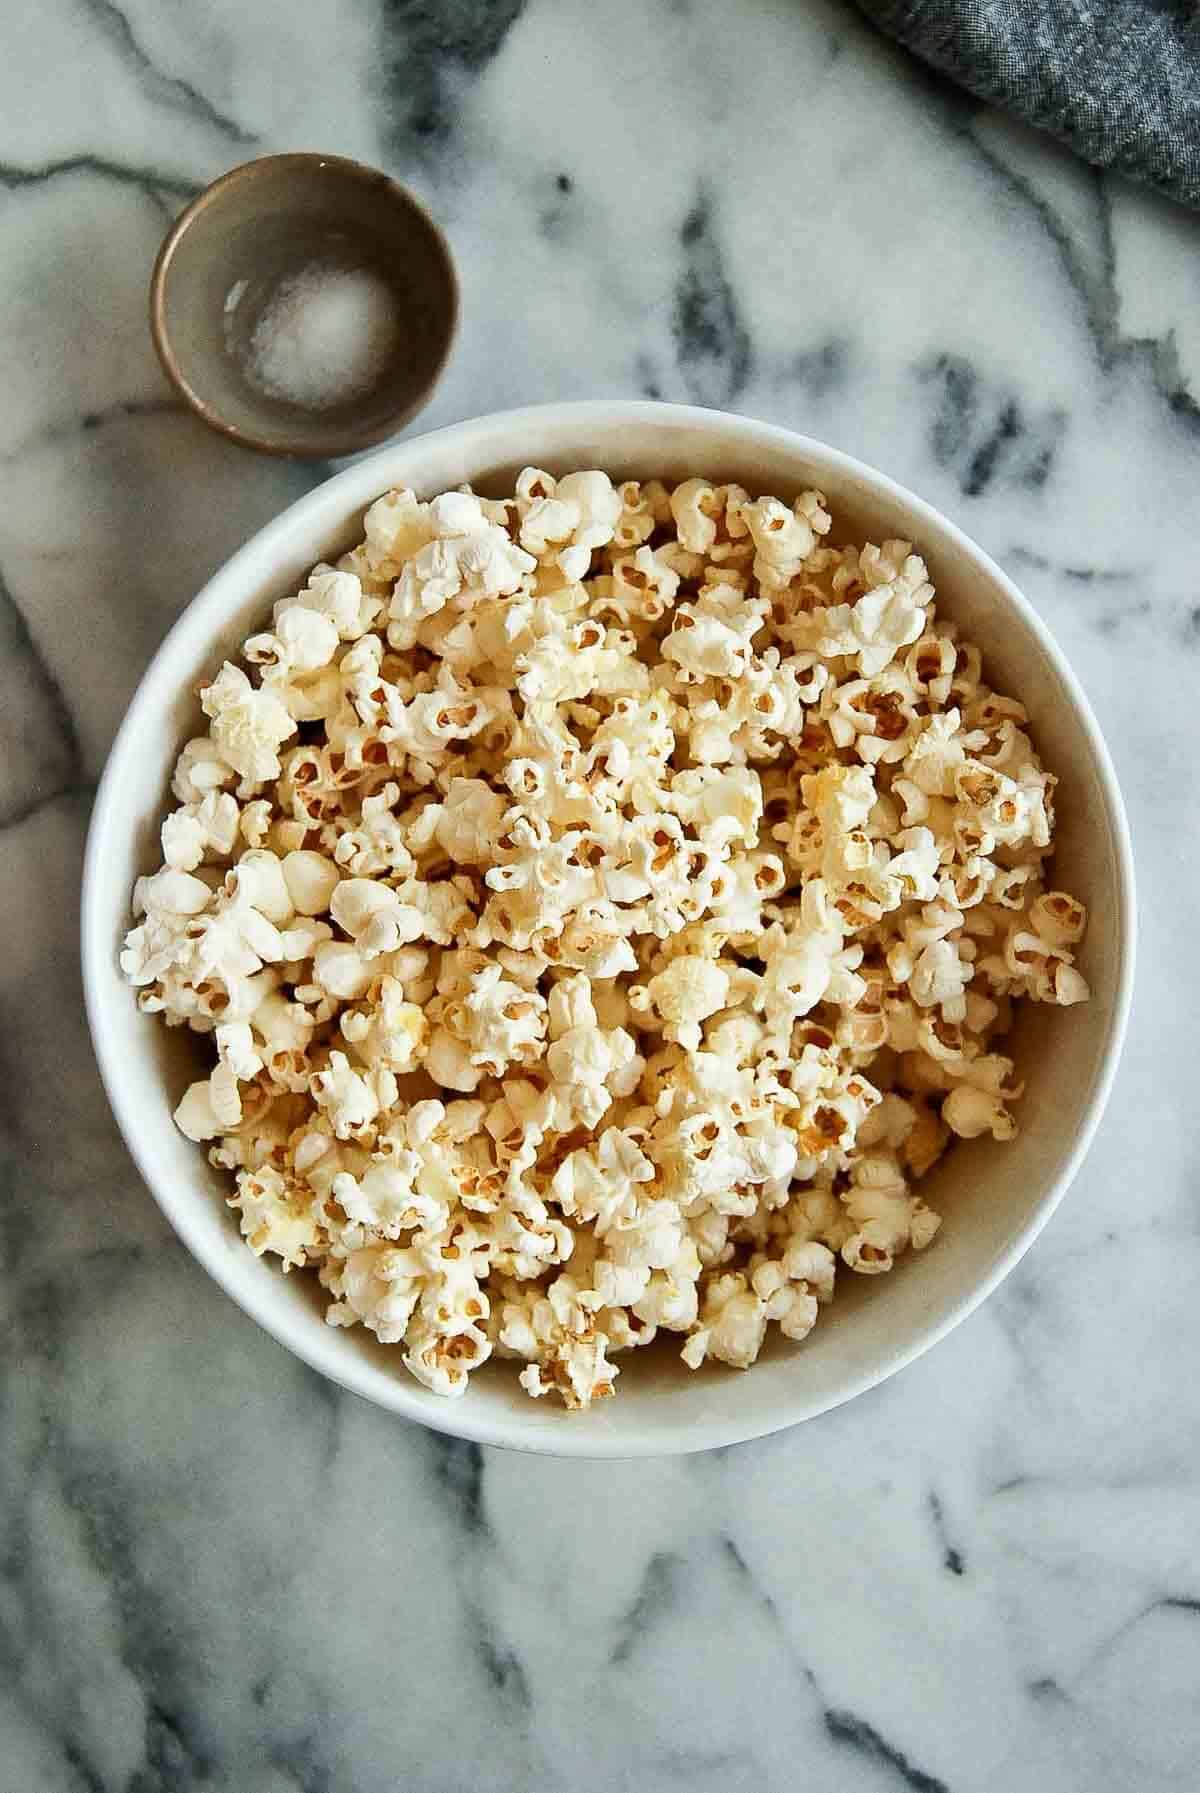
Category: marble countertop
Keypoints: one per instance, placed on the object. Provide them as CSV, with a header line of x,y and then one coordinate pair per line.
x,y
219,1575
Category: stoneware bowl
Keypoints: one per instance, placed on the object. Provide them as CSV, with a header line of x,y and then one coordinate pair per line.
x,y
227,255
995,1199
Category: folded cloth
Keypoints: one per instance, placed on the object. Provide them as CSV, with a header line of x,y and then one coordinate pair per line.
x,y
1119,80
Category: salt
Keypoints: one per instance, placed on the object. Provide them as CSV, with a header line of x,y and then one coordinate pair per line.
x,y
325,336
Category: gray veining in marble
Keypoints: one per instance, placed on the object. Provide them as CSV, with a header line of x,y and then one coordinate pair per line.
x,y
219,1574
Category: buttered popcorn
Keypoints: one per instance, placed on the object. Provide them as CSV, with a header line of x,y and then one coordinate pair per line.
x,y
604,906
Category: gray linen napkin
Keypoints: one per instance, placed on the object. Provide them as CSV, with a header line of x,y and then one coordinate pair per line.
x,y
1119,80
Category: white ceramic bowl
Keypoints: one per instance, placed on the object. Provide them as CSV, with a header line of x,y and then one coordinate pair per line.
x,y
994,1198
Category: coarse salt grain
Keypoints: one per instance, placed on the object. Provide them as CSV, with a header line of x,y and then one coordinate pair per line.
x,y
325,336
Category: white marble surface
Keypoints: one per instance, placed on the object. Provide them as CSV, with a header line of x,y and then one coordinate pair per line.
x,y
218,1575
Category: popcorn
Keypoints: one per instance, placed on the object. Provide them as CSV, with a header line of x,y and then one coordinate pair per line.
x,y
793,1309
248,724
376,1284
671,1298
599,505
711,637
470,821
939,978
498,1022
338,596
1065,986
886,619
591,1065
283,1032
936,756
377,841
311,879
389,1031
200,830
397,526
783,538
575,1369
722,807
604,906
685,994
468,557
733,1324
643,586
257,880
694,508
340,970
1058,919
171,893
352,1099
548,523
236,1051
887,1219
969,1112
273,1218
230,943
200,770
443,1359
196,1115
302,640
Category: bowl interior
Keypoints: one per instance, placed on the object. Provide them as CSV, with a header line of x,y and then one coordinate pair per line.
x,y
284,217
992,1197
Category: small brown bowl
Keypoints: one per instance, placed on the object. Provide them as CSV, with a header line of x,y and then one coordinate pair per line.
x,y
280,219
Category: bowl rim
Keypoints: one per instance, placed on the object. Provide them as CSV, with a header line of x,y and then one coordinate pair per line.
x,y
246,173
358,485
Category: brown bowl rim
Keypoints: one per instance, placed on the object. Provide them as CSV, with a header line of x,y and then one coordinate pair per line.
x,y
310,447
